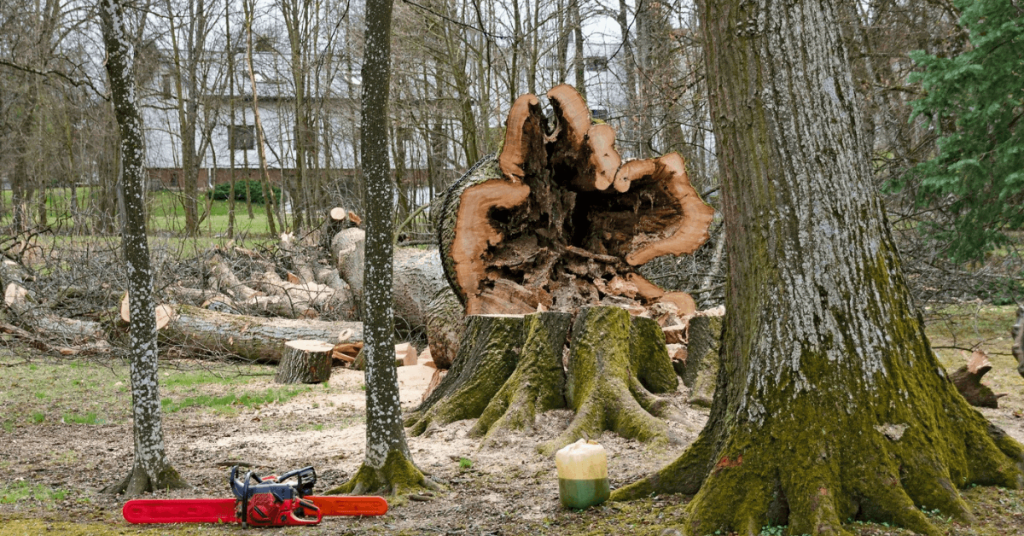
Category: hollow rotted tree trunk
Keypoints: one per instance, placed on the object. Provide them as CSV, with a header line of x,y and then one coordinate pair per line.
x,y
558,222
305,361
830,404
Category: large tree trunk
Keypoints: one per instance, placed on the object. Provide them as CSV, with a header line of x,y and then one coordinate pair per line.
x,y
830,404
150,470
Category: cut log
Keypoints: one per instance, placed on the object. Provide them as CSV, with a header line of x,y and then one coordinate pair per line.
x,y
348,249
346,352
407,353
967,380
225,281
338,214
40,320
195,296
556,220
305,361
1017,347
252,338
435,380
354,218
487,356
164,313
444,327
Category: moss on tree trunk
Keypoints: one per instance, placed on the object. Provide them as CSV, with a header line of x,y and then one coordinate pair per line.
x,y
538,382
488,353
398,476
830,404
602,387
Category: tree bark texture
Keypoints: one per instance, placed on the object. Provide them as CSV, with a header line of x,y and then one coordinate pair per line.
x,y
830,404
305,361
488,356
254,338
1017,332
150,469
510,367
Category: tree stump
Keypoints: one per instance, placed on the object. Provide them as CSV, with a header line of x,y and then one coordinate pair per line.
x,y
305,361
510,368
487,356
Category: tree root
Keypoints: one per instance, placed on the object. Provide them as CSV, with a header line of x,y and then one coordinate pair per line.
x,y
537,383
398,476
602,386
488,353
139,481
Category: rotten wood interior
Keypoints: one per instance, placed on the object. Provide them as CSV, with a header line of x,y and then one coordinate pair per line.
x,y
561,221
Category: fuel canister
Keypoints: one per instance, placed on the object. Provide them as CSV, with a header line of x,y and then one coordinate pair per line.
x,y
582,474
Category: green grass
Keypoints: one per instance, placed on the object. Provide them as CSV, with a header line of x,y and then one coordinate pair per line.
x,y
165,210
88,418
230,402
38,417
20,491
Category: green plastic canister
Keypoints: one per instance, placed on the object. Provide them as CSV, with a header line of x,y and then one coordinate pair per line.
x,y
582,474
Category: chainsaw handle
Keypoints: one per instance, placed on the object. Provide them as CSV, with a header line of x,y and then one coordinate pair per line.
x,y
241,488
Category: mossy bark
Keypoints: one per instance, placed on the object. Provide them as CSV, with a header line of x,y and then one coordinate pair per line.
x,y
649,356
488,353
602,387
537,383
830,404
398,476
702,359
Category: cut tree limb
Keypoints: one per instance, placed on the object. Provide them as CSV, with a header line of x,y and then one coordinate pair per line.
x,y
252,338
967,380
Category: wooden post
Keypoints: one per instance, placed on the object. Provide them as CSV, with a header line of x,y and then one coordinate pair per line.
x,y
305,361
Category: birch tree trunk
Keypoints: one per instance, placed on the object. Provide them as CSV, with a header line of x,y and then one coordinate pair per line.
x,y
387,464
150,470
830,404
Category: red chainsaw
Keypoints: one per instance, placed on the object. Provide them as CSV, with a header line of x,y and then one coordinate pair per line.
x,y
261,502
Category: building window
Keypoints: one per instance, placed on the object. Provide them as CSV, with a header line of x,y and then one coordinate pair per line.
x,y
165,86
242,137
599,113
596,63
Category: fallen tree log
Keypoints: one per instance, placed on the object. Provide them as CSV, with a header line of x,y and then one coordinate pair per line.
x,y
40,320
252,338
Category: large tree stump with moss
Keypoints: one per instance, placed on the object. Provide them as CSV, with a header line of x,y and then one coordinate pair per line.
x,y
510,367
305,361
559,222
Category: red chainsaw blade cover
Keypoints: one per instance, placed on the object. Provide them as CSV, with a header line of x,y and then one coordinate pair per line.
x,y
223,510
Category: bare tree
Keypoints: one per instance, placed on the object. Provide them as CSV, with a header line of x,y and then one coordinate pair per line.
x,y
150,469
387,463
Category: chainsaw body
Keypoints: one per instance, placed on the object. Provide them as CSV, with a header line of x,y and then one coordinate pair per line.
x,y
273,502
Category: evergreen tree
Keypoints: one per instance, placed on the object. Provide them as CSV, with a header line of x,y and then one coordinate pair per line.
x,y
975,100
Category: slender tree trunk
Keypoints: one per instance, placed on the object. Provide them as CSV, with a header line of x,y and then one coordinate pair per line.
x,y
387,464
577,27
150,470
229,50
268,189
830,404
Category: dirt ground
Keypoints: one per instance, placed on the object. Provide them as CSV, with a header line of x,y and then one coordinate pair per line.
x,y
505,490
